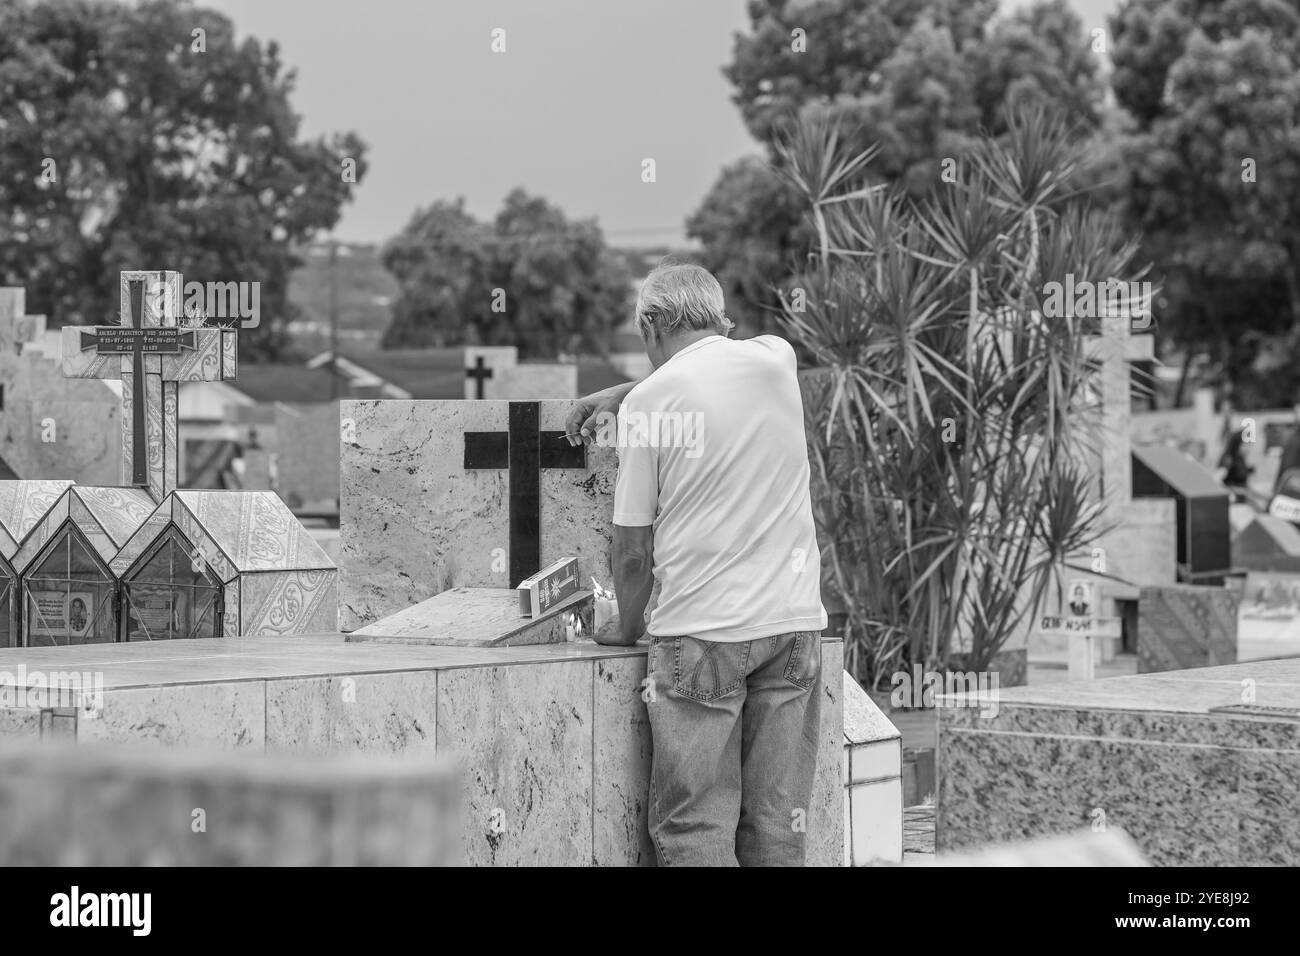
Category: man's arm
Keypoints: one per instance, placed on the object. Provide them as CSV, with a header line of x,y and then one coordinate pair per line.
x,y
583,420
633,561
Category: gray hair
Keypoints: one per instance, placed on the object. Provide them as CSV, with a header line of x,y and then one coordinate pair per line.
x,y
678,298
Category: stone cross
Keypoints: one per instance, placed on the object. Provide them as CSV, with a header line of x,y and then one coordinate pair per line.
x,y
1116,349
525,451
151,353
479,372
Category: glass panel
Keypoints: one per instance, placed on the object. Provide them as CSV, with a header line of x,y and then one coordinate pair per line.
x,y
171,596
83,564
172,565
68,598
6,609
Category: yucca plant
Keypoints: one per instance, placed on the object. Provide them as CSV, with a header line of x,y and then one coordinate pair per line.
x,y
952,427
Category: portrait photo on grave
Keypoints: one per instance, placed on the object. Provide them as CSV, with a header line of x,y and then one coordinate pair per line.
x,y
818,434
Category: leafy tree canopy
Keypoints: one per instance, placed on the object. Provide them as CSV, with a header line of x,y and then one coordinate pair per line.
x,y
530,278
917,79
129,142
1213,161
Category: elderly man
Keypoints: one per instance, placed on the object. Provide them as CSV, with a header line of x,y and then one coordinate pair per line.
x,y
712,502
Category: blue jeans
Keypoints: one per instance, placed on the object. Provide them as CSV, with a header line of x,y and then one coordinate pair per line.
x,y
735,730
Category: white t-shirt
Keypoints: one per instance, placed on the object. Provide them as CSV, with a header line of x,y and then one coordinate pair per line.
x,y
712,453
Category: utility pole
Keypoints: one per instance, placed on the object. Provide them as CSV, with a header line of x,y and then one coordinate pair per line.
x,y
334,319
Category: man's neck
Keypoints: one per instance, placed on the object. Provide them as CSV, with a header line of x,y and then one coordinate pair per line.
x,y
679,342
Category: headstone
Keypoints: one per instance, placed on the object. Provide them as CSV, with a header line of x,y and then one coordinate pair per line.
x,y
1204,535
151,355
1138,545
50,426
533,381
307,463
443,494
483,363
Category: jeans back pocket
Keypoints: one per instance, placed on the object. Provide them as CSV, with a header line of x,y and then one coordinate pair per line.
x,y
707,670
805,663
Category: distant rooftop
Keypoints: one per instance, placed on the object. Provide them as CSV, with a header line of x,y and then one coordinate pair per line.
x,y
395,373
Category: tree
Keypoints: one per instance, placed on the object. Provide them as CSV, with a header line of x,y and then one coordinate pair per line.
x,y
1213,87
752,229
951,424
915,80
530,278
129,142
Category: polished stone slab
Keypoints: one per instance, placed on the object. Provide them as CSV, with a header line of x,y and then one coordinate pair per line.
x,y
478,617
255,659
1197,765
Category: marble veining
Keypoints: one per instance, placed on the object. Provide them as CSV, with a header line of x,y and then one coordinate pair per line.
x,y
415,522
1141,753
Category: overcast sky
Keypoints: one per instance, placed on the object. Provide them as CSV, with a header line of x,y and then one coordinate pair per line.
x,y
585,91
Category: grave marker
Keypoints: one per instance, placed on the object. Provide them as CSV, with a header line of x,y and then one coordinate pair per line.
x,y
424,508
482,363
525,451
478,373
151,355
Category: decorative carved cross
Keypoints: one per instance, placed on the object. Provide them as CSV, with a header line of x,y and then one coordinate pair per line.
x,y
151,355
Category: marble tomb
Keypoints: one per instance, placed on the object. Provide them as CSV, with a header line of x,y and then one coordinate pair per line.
x,y
1201,767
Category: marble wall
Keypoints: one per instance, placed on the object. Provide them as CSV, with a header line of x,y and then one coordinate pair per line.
x,y
1179,760
553,741
414,521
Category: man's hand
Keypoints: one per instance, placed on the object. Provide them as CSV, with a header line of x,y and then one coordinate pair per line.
x,y
581,424
611,633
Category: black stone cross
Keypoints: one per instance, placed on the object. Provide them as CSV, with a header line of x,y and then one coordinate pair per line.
x,y
525,451
478,373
